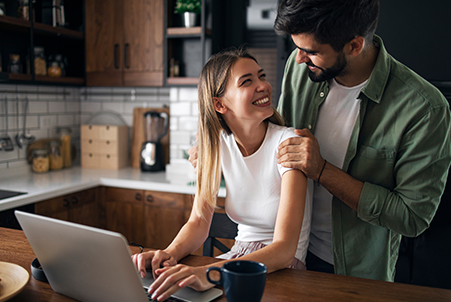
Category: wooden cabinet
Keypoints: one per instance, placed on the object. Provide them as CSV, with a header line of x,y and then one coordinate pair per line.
x,y
124,42
20,36
148,218
80,207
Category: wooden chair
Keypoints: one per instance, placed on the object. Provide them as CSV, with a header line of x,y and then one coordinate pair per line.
x,y
221,227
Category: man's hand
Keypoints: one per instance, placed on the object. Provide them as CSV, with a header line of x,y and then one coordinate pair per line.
x,y
193,157
302,153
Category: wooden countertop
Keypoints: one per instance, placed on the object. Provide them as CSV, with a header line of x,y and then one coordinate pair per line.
x,y
284,285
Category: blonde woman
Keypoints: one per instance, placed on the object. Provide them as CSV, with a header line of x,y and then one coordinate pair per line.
x,y
239,132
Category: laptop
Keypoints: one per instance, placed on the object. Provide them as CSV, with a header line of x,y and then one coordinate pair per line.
x,y
91,264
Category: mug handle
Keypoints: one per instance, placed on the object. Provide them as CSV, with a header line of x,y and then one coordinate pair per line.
x,y
220,275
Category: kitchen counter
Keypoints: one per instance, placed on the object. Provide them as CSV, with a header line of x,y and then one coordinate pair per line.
x,y
56,183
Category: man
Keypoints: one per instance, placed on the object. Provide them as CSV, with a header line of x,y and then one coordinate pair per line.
x,y
380,148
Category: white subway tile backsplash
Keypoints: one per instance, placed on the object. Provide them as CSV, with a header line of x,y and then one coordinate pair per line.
x,y
188,94
72,107
188,123
88,107
54,106
180,109
57,107
37,107
116,107
65,120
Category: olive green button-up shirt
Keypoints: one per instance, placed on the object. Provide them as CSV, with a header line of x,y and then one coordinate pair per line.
x,y
399,149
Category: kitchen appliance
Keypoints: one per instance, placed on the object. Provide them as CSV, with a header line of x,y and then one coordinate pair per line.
x,y
155,127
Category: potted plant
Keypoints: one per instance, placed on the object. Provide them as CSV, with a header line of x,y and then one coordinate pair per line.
x,y
189,9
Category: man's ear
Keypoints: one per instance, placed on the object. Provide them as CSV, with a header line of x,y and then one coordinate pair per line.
x,y
355,46
219,106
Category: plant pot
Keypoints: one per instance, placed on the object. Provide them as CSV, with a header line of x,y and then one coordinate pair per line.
x,y
189,19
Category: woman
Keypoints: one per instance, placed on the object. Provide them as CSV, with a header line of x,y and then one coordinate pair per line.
x,y
239,133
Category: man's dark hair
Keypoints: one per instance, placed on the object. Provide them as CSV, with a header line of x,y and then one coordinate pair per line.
x,y
334,22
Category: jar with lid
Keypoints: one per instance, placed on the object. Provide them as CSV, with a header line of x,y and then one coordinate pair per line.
x,y
55,157
65,136
23,10
41,162
57,66
40,65
14,64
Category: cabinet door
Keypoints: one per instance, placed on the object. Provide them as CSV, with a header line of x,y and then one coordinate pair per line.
x,y
124,213
84,207
164,215
104,42
57,207
143,42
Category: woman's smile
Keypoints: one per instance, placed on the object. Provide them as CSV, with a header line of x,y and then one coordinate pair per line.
x,y
263,102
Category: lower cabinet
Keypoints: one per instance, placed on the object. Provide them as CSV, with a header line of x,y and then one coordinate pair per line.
x,y
80,207
148,218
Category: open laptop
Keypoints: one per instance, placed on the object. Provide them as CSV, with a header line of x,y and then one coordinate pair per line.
x,y
91,264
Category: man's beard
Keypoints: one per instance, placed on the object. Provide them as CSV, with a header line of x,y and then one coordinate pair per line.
x,y
338,69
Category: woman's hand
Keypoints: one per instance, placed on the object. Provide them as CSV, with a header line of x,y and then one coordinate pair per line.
x,y
172,278
154,260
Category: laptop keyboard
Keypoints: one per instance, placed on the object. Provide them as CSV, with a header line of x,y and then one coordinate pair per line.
x,y
171,299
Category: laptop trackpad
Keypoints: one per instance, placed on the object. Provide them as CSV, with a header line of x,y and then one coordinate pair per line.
x,y
187,293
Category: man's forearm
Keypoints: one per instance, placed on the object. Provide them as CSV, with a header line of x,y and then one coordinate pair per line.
x,y
341,185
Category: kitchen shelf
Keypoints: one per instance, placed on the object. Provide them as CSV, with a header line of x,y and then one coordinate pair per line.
x,y
183,32
45,29
182,81
14,23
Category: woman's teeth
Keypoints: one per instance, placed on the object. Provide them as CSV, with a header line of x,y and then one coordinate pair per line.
x,y
262,101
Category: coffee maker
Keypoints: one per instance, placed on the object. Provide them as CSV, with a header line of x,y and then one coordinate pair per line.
x,y
152,154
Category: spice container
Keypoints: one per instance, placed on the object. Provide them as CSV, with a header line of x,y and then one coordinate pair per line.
x,y
41,162
55,157
14,64
65,146
40,66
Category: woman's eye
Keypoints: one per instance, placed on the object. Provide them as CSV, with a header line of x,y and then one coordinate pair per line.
x,y
245,81
263,75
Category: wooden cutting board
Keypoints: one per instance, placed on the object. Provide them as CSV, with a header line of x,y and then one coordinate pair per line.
x,y
138,135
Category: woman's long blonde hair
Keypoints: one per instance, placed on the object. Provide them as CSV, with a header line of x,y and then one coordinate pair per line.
x,y
212,83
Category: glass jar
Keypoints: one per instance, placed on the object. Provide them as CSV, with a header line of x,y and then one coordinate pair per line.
x,y
56,159
65,136
40,65
23,10
41,162
14,64
54,70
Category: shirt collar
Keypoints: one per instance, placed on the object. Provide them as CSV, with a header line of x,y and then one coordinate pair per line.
x,y
377,81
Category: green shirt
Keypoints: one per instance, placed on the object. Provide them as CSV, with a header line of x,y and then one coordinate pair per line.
x,y
399,149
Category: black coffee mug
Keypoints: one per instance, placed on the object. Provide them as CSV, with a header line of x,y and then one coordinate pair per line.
x,y
242,280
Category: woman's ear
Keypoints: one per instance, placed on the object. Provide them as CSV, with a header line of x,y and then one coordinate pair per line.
x,y
219,106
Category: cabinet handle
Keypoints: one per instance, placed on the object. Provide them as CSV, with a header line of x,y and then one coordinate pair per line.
x,y
116,56
74,200
66,202
138,196
126,46
149,198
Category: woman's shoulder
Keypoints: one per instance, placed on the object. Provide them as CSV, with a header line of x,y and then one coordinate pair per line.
x,y
280,133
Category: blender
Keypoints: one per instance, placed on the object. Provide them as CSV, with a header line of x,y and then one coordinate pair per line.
x,y
152,155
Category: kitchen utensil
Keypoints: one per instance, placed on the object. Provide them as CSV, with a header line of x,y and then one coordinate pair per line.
x,y
5,141
26,138
19,140
155,126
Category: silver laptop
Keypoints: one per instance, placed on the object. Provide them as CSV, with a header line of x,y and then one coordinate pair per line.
x,y
91,264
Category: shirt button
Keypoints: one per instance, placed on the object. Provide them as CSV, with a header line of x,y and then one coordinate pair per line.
x,y
309,127
321,94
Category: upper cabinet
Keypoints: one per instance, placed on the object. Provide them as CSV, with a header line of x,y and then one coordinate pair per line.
x,y
124,42
36,36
